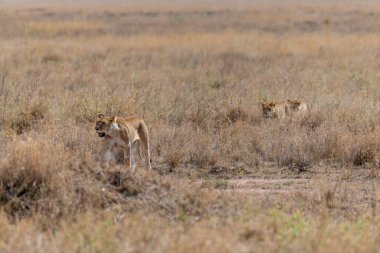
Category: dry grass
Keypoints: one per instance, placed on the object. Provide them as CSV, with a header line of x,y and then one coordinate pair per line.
x,y
196,74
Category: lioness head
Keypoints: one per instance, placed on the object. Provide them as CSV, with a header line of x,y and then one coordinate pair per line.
x,y
105,125
293,103
268,109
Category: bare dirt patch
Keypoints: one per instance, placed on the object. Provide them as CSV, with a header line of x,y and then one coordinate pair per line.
x,y
259,185
267,186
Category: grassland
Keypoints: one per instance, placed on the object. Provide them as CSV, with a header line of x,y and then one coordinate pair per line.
x,y
224,179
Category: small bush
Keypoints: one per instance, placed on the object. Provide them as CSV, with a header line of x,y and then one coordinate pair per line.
x,y
38,176
28,117
54,58
230,116
365,150
313,120
236,113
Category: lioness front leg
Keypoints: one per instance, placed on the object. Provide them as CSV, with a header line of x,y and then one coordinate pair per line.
x,y
132,155
107,156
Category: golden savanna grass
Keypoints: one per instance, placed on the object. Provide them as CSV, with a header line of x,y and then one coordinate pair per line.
x,y
224,178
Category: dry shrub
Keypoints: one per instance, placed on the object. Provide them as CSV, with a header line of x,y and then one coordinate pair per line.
x,y
38,176
289,146
201,152
153,193
236,113
256,118
26,176
365,149
362,155
174,158
233,61
226,117
359,119
330,144
29,116
170,147
35,182
218,84
313,120
182,146
200,116
239,145
51,58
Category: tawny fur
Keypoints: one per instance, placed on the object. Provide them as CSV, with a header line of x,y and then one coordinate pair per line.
x,y
128,133
275,110
297,107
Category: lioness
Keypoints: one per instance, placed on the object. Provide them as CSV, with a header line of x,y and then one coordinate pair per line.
x,y
275,110
126,133
297,107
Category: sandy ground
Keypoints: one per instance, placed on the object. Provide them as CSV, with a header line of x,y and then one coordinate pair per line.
x,y
265,186
260,185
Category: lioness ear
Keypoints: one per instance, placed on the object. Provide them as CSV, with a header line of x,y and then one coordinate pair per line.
x,y
114,125
113,119
100,115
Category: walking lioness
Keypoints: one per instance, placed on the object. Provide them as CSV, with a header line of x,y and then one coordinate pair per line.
x,y
126,133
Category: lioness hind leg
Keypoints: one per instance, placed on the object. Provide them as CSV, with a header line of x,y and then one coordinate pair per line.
x,y
132,160
144,145
138,146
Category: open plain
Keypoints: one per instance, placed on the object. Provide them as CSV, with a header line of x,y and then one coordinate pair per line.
x,y
223,179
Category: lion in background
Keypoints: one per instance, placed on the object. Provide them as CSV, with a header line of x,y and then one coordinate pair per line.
x,y
275,110
298,107
288,108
